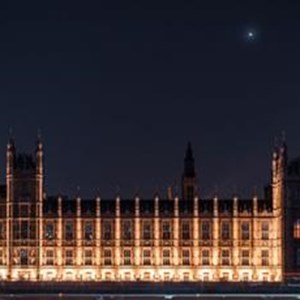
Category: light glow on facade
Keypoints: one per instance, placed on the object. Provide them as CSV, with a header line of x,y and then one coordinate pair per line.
x,y
178,239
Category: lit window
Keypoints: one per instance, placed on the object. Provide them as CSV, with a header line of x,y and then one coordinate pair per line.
x,y
49,232
166,257
265,231
49,257
88,231
127,257
225,257
225,231
127,230
88,257
186,257
245,231
69,257
297,229
107,231
185,230
147,231
147,257
25,230
265,261
205,258
166,231
107,257
205,230
245,257
69,231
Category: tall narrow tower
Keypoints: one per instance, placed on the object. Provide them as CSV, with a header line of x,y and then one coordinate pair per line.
x,y
24,177
189,178
278,204
278,177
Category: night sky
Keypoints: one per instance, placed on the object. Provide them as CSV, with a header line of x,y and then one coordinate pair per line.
x,y
119,88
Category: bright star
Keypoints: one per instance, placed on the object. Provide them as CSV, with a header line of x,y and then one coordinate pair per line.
x,y
250,34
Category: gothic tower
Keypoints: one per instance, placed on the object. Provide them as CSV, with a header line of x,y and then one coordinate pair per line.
x,y
189,178
292,217
278,202
24,179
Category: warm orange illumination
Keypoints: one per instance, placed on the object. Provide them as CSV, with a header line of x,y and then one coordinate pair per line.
x,y
97,240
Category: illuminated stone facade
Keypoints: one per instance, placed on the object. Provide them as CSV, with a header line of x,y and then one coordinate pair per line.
x,y
184,238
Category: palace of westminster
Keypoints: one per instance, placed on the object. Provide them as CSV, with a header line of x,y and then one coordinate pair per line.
x,y
179,239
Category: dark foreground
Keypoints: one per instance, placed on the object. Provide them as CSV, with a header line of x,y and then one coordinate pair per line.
x,y
147,291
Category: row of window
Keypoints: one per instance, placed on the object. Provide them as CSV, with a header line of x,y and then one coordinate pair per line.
x,y
147,257
147,231
27,230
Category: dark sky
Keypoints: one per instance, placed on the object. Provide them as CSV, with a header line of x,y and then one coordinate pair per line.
x,y
119,88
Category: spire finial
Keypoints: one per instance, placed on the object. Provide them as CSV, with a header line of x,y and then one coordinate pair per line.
x,y
283,140
189,152
118,190
189,163
254,191
39,134
216,190
11,139
97,191
78,191
39,142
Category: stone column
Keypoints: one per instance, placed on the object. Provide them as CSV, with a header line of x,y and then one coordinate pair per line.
x,y
216,231
78,234
59,251
137,238
176,238
196,235
98,237
157,256
235,239
117,257
255,240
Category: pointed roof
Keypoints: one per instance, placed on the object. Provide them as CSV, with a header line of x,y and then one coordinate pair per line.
x,y
189,152
189,162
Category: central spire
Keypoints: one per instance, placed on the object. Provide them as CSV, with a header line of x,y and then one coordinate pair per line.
x,y
189,184
189,162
